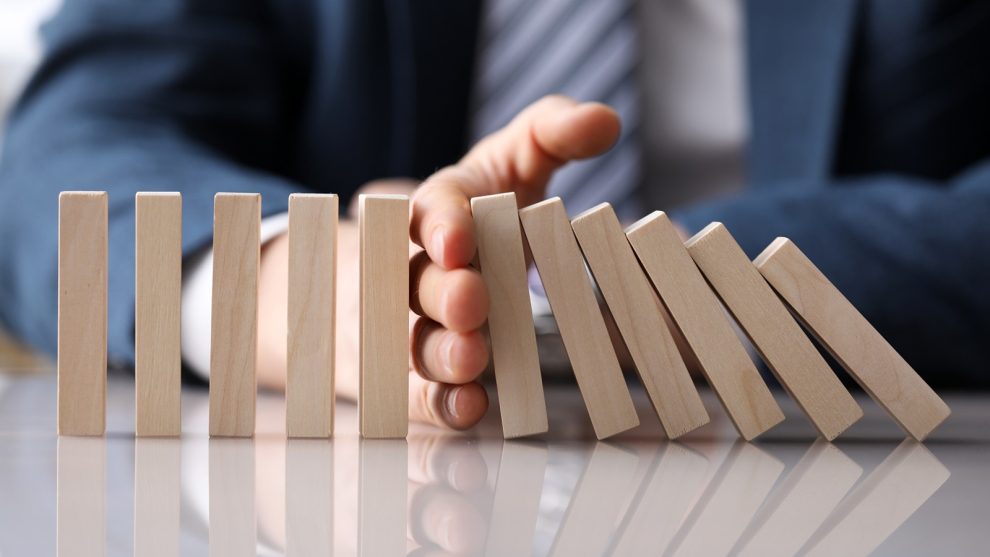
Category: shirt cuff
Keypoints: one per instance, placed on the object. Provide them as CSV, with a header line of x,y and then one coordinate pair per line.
x,y
197,298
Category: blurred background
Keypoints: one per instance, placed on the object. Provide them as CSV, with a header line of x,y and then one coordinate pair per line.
x,y
19,52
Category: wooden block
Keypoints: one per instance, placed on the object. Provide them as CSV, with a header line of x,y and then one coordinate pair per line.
x,y
704,326
383,499
384,377
636,310
233,530
880,504
800,504
157,314
82,313
309,389
786,350
157,490
850,338
80,499
234,338
582,328
510,319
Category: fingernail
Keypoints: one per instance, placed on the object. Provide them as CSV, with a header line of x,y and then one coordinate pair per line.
x,y
450,402
448,356
438,243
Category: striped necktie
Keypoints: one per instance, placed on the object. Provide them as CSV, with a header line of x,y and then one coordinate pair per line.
x,y
585,49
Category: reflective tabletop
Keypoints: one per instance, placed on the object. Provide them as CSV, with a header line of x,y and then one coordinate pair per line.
x,y
471,493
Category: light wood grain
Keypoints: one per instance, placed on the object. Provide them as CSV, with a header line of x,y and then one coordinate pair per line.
x,y
635,307
703,325
786,350
582,328
309,389
851,340
82,313
510,319
384,376
234,338
157,302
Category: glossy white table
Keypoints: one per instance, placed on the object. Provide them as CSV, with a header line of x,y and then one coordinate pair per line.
x,y
441,493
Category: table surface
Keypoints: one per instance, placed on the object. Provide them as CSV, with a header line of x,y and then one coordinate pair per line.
x,y
440,492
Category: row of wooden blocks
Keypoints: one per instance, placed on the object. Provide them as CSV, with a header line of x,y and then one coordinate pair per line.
x,y
655,286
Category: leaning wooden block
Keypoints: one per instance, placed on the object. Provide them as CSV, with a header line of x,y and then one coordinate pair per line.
x,y
636,310
234,333
309,389
82,313
157,302
850,338
786,350
384,375
700,319
582,328
510,319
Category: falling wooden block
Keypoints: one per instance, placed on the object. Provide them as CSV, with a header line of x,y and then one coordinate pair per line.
x,y
582,328
309,389
636,310
851,340
157,302
82,313
704,326
786,350
510,319
384,376
234,338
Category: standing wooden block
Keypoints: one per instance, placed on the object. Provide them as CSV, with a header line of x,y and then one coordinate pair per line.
x,y
637,314
850,338
158,292
234,338
82,313
384,379
707,332
510,319
777,337
582,328
309,390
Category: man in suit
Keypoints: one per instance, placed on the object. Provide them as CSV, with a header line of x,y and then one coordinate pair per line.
x,y
857,128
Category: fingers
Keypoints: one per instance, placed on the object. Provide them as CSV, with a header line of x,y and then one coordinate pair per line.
x,y
438,354
521,157
452,406
456,298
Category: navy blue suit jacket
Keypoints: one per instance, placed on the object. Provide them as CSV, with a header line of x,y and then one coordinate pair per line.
x,y
869,120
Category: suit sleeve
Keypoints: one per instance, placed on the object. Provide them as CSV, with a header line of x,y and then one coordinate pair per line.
x,y
913,256
173,95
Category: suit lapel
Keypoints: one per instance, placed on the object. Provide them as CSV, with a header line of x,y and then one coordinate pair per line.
x,y
796,54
